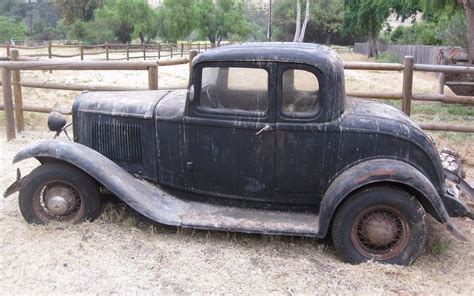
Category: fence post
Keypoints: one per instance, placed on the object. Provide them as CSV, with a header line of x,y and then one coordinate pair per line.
x,y
192,55
128,51
189,46
144,51
159,50
50,50
199,47
171,50
8,103
153,77
441,79
50,53
18,95
407,90
182,49
205,46
82,51
107,50
7,46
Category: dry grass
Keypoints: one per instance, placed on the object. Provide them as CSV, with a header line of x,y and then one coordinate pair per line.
x,y
125,253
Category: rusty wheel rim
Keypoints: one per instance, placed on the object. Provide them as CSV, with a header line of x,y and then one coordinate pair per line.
x,y
380,232
58,201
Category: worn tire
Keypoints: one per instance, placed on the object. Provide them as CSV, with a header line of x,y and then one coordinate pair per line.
x,y
63,178
385,224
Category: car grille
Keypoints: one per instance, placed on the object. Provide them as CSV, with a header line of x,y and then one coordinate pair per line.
x,y
118,141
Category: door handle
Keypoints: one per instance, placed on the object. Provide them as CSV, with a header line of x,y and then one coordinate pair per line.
x,y
264,129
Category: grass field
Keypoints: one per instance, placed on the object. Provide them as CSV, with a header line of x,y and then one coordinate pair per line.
x,y
123,252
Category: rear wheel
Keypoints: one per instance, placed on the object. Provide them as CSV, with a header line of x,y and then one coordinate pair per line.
x,y
59,192
381,223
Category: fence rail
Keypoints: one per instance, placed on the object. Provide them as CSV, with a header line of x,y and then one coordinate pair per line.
x,y
144,51
14,108
147,51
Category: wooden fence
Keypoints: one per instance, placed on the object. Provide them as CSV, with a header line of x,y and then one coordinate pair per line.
x,y
128,51
109,51
14,108
12,85
423,54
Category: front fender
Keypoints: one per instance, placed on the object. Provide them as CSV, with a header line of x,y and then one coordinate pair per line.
x,y
381,171
148,199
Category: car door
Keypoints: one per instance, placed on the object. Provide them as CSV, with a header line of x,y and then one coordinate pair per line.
x,y
231,130
299,148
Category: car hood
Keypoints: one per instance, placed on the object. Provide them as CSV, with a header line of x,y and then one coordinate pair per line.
x,y
138,104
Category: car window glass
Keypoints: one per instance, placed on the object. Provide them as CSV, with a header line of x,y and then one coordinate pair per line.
x,y
234,89
300,92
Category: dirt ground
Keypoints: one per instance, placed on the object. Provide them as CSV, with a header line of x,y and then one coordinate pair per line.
x,y
124,253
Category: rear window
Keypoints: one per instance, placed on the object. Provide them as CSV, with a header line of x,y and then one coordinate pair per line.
x,y
300,92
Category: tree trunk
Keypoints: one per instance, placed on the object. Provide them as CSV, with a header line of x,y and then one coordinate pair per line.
x,y
469,8
298,21
305,22
328,38
142,38
372,44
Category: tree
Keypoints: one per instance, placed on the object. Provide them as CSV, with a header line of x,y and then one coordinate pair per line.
x,y
14,9
177,19
443,6
328,17
300,30
74,10
221,19
11,29
366,17
128,19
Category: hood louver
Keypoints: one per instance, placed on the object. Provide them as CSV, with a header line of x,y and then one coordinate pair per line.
x,y
118,141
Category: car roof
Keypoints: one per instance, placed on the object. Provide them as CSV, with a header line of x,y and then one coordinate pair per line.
x,y
306,53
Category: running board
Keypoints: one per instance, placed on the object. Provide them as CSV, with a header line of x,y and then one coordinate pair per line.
x,y
205,216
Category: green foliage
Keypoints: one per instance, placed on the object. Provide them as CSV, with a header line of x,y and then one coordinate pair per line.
x,y
89,32
177,19
258,19
387,57
452,29
11,29
440,246
448,29
366,16
284,20
222,19
324,26
127,19
74,10
14,9
328,17
419,33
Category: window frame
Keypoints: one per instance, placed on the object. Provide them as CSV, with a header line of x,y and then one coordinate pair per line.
x,y
204,111
298,116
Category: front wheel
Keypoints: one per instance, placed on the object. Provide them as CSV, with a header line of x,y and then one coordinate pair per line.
x,y
59,192
381,223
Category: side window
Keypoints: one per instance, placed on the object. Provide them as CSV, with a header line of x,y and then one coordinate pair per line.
x,y
234,89
300,92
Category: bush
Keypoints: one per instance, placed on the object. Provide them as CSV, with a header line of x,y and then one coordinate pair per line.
x,y
387,57
452,29
420,33
11,29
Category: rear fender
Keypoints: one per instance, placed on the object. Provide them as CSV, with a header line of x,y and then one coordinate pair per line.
x,y
382,171
148,199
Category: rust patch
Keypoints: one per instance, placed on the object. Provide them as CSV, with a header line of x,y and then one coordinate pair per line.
x,y
379,172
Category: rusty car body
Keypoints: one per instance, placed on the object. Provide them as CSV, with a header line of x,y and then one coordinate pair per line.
x,y
264,140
